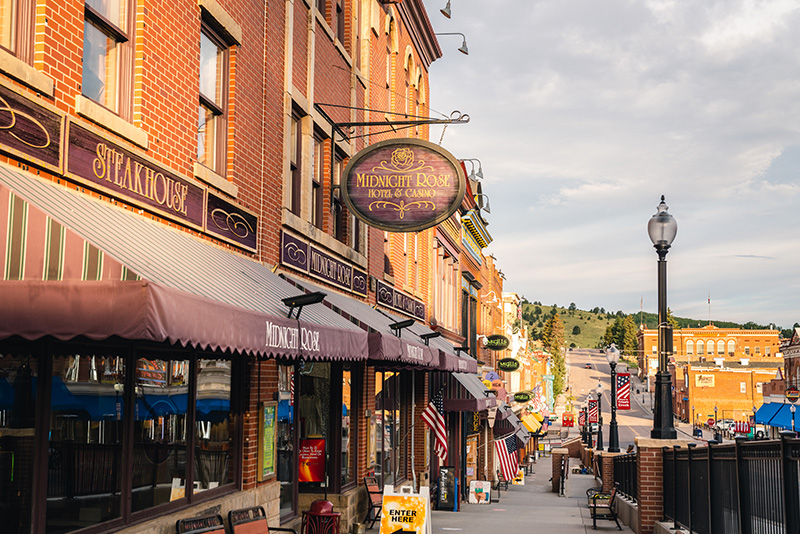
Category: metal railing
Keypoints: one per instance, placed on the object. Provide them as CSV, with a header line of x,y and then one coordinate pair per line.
x,y
625,475
750,487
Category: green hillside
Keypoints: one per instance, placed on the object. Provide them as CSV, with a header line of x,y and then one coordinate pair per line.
x,y
592,324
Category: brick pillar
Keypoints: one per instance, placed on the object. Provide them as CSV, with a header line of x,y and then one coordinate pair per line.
x,y
558,456
649,478
607,459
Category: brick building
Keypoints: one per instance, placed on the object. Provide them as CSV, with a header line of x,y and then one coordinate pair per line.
x,y
718,346
165,167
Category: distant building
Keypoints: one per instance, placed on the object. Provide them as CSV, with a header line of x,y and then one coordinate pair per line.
x,y
722,347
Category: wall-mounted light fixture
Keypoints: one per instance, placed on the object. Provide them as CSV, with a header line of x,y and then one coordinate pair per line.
x,y
427,337
472,173
399,325
446,10
303,300
463,48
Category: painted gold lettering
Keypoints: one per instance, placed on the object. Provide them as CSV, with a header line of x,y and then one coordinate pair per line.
x,y
137,178
118,159
99,162
162,197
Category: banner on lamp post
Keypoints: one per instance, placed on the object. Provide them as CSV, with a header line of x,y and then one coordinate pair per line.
x,y
623,391
593,411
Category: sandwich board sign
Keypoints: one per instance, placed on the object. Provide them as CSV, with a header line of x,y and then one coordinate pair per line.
x,y
405,512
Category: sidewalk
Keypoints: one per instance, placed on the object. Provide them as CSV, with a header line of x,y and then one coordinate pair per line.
x,y
529,507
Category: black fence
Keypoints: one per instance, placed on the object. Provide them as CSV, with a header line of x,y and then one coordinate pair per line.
x,y
625,475
750,487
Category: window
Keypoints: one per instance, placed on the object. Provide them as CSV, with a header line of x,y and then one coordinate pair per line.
x,y
758,350
392,402
711,348
212,117
759,387
296,163
742,387
655,349
747,351
701,348
767,351
108,55
340,21
16,28
285,436
690,347
213,442
339,215
317,180
731,347
720,347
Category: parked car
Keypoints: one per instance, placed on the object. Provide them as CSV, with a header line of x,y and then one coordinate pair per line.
x,y
587,366
723,425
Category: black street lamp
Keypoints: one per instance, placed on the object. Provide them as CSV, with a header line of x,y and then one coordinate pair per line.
x,y
662,229
585,426
612,355
694,421
599,391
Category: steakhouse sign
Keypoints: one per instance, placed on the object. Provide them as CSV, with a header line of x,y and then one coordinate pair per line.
x,y
403,185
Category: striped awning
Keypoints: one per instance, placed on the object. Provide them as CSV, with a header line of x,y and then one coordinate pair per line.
x,y
151,282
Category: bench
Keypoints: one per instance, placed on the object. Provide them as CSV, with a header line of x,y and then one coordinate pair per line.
x,y
210,524
374,500
601,506
501,481
252,520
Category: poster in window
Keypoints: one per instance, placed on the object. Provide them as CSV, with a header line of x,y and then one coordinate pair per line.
x,y
267,419
372,453
312,460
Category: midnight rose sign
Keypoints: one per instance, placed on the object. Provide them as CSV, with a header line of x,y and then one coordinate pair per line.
x,y
403,185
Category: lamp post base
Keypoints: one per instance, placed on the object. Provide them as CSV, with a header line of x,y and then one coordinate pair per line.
x,y
662,417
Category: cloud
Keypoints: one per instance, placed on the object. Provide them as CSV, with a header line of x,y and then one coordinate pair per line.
x,y
584,113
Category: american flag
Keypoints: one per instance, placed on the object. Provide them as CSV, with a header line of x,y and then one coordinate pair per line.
x,y
623,391
593,410
507,454
581,418
434,418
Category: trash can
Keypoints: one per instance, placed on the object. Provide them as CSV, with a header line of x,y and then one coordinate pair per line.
x,y
320,519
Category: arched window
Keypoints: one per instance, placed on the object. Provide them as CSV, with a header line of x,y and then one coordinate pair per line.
x,y
701,348
690,347
731,347
721,347
711,348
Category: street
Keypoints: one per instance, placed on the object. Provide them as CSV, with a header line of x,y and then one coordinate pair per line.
x,y
636,422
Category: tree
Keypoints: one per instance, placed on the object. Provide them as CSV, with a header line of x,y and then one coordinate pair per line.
x,y
553,341
671,320
629,345
572,307
576,330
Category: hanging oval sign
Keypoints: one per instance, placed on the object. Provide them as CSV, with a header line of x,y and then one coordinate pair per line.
x,y
497,342
403,185
508,364
792,393
522,397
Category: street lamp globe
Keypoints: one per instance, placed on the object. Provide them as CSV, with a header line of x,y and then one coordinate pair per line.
x,y
662,226
612,354
599,389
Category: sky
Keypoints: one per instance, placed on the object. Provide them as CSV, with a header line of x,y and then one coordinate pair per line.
x,y
584,112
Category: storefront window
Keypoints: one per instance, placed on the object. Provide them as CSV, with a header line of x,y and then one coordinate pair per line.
x,y
84,465
391,407
348,455
313,414
18,375
285,437
213,438
159,449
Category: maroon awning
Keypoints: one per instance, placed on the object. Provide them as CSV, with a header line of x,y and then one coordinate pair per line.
x,y
466,393
142,310
104,271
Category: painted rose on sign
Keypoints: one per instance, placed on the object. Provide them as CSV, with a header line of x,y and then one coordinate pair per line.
x,y
402,158
403,185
